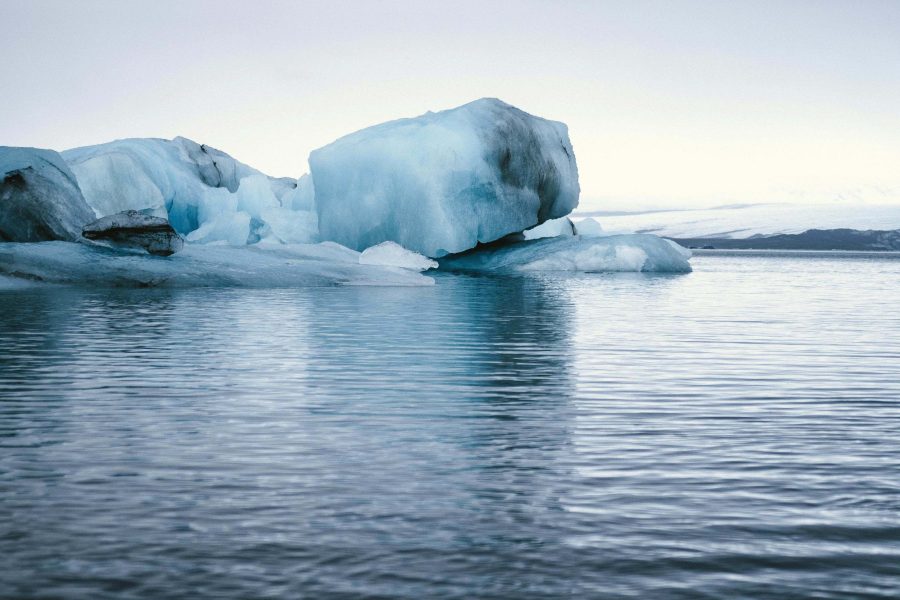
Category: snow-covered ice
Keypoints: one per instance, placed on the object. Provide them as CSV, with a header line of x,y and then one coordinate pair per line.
x,y
261,265
39,197
756,219
635,252
392,254
443,182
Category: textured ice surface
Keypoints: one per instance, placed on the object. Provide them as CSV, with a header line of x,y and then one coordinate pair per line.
x,y
392,254
39,197
263,265
635,252
551,228
442,182
758,219
206,194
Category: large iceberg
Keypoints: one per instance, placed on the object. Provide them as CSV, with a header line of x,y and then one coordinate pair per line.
x,y
39,197
634,252
204,193
213,265
474,186
443,182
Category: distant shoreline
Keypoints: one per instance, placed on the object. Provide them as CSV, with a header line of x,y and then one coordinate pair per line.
x,y
812,240
881,254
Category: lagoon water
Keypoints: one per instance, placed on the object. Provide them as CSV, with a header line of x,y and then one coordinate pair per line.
x,y
729,433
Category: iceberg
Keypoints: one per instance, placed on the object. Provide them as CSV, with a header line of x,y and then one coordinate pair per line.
x,y
483,187
39,197
444,182
204,193
260,265
394,255
632,253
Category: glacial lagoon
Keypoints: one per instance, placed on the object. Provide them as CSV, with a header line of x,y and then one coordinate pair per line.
x,y
726,433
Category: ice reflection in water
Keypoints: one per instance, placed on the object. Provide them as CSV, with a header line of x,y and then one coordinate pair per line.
x,y
727,433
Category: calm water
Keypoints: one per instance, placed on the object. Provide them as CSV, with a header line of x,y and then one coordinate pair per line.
x,y
730,433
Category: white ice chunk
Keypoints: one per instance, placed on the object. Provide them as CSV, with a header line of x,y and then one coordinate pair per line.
x,y
391,254
551,228
443,182
589,228
633,252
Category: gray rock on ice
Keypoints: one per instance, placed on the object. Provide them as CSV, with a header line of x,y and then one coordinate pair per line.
x,y
132,229
40,199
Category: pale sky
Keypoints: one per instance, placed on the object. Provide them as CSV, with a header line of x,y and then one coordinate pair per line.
x,y
668,103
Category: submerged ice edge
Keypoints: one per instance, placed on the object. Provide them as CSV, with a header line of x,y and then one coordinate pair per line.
x,y
267,265
575,253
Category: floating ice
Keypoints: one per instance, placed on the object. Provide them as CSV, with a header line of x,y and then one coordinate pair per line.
x,y
392,254
443,182
263,265
39,197
551,228
634,252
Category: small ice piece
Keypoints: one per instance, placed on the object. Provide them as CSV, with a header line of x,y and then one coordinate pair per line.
x,y
551,228
132,229
589,228
443,182
633,252
391,254
39,197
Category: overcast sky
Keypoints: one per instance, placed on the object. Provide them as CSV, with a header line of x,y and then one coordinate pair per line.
x,y
671,103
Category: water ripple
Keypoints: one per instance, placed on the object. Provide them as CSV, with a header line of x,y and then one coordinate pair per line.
x,y
727,433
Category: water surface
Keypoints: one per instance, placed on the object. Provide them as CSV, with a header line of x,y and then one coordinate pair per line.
x,y
728,433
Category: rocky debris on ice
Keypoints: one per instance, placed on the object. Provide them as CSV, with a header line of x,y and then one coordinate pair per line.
x,y
131,229
391,254
443,182
633,252
39,197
